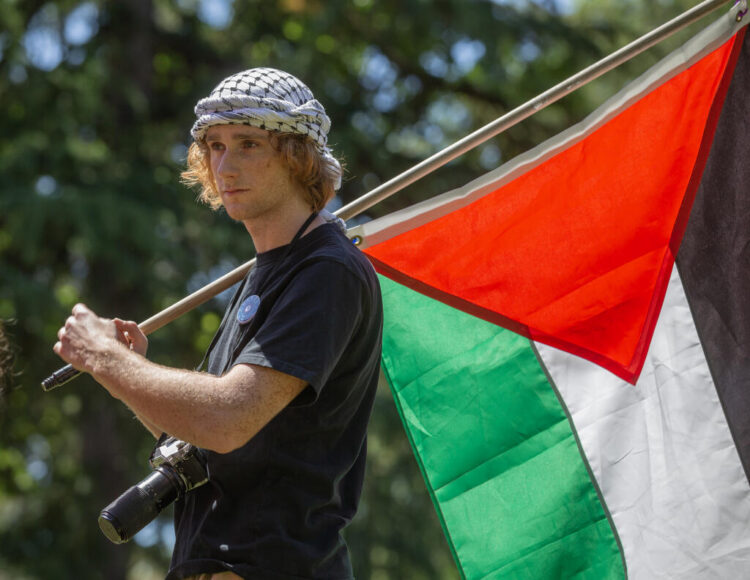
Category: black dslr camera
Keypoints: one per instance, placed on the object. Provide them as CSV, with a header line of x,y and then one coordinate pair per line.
x,y
179,467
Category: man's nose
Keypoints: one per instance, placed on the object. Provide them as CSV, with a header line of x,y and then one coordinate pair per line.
x,y
228,165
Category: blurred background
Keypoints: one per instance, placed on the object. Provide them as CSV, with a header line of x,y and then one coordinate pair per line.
x,y
96,103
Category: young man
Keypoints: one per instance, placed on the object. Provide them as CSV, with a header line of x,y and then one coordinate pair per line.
x,y
282,411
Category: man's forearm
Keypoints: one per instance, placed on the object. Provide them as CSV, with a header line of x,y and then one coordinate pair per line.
x,y
189,405
218,413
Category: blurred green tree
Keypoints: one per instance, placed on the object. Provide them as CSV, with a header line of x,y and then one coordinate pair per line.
x,y
97,100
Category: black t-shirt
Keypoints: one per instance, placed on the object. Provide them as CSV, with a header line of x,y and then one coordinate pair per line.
x,y
274,508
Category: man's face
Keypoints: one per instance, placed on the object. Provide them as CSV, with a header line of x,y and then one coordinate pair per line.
x,y
249,173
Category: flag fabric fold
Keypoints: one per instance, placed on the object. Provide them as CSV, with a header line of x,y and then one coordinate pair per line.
x,y
578,403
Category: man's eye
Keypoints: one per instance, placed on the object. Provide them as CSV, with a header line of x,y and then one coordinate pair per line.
x,y
249,144
215,146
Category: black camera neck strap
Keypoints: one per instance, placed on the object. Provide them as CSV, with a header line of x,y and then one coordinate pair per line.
x,y
250,305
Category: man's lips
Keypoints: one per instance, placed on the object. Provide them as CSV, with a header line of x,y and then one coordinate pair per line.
x,y
231,192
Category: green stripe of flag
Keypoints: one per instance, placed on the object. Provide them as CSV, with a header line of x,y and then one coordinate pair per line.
x,y
494,444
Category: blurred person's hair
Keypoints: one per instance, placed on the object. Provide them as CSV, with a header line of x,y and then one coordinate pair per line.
x,y
6,360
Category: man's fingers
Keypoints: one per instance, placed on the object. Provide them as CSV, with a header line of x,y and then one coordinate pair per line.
x,y
120,327
125,325
80,309
133,335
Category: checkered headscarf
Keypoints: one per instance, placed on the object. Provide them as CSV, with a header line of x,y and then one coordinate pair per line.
x,y
269,99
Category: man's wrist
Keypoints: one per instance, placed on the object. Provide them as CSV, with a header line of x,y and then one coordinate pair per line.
x,y
108,361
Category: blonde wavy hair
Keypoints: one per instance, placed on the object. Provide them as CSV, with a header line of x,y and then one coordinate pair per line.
x,y
305,161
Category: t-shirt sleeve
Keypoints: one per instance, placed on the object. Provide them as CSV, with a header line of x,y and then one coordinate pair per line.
x,y
310,325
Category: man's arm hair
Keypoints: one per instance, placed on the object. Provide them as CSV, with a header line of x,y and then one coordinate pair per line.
x,y
217,413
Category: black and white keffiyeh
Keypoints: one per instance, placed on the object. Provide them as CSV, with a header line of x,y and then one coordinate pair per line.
x,y
269,99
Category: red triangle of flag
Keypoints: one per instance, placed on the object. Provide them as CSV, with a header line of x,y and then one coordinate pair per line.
x,y
577,252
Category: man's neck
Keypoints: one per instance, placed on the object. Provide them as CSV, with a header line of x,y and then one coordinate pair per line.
x,y
270,232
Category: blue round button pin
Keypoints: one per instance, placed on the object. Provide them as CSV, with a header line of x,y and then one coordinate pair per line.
x,y
248,308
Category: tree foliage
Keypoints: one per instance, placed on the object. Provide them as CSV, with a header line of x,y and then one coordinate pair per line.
x,y
97,99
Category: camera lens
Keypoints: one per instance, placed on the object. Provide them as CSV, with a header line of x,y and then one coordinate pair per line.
x,y
140,504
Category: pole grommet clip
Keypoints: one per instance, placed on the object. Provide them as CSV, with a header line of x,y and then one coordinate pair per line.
x,y
741,11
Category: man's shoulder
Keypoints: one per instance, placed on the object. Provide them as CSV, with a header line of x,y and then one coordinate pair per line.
x,y
331,246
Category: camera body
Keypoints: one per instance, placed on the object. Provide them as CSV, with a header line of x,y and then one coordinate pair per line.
x,y
178,467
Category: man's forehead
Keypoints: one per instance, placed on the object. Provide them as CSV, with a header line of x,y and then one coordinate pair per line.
x,y
234,132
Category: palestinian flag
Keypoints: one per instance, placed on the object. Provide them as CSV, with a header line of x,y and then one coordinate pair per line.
x,y
568,339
